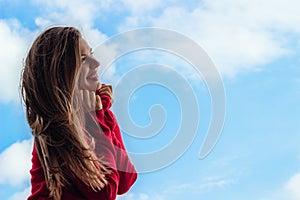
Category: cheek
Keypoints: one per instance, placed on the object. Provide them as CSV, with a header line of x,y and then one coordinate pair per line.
x,y
82,77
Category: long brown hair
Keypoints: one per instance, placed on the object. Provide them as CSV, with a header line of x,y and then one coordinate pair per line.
x,y
47,84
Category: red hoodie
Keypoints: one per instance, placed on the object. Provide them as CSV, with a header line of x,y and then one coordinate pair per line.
x,y
110,146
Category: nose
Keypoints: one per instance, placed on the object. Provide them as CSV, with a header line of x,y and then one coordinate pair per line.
x,y
93,62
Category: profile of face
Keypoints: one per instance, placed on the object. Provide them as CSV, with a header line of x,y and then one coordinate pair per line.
x,y
88,75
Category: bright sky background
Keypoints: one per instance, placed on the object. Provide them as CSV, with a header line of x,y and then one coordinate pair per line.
x,y
255,46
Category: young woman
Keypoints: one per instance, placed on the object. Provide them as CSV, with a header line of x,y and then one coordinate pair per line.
x,y
78,150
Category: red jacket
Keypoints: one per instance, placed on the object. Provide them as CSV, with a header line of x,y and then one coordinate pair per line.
x,y
110,146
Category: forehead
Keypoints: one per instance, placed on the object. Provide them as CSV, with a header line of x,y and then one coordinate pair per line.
x,y
83,45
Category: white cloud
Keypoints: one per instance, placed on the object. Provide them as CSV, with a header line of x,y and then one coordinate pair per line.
x,y
292,187
81,14
237,34
142,5
15,163
14,43
21,195
67,12
288,191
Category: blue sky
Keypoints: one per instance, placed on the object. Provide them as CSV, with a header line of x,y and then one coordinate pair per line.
x,y
255,47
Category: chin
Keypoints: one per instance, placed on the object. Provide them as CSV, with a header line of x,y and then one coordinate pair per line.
x,y
93,86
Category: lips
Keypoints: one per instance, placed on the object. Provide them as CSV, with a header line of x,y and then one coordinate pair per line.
x,y
93,77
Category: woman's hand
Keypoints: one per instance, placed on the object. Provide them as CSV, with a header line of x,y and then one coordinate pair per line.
x,y
106,90
90,99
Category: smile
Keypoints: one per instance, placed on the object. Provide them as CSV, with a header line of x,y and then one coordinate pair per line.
x,y
93,77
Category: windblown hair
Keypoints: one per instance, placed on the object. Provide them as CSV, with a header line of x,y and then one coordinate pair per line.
x,y
48,84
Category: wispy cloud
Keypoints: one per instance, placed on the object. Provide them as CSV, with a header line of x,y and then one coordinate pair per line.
x,y
204,186
182,190
140,196
238,35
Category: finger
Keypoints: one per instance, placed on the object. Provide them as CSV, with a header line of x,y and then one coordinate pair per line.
x,y
103,87
86,99
92,101
106,88
110,87
81,98
99,85
81,95
98,103
106,93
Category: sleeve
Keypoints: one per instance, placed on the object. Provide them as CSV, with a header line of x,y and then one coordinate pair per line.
x,y
39,188
105,148
124,167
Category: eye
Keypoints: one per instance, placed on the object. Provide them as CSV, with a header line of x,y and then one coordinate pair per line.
x,y
83,59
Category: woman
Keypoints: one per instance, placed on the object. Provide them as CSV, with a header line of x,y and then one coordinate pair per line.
x,y
78,150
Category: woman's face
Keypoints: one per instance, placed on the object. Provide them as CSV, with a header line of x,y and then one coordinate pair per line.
x,y
88,77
